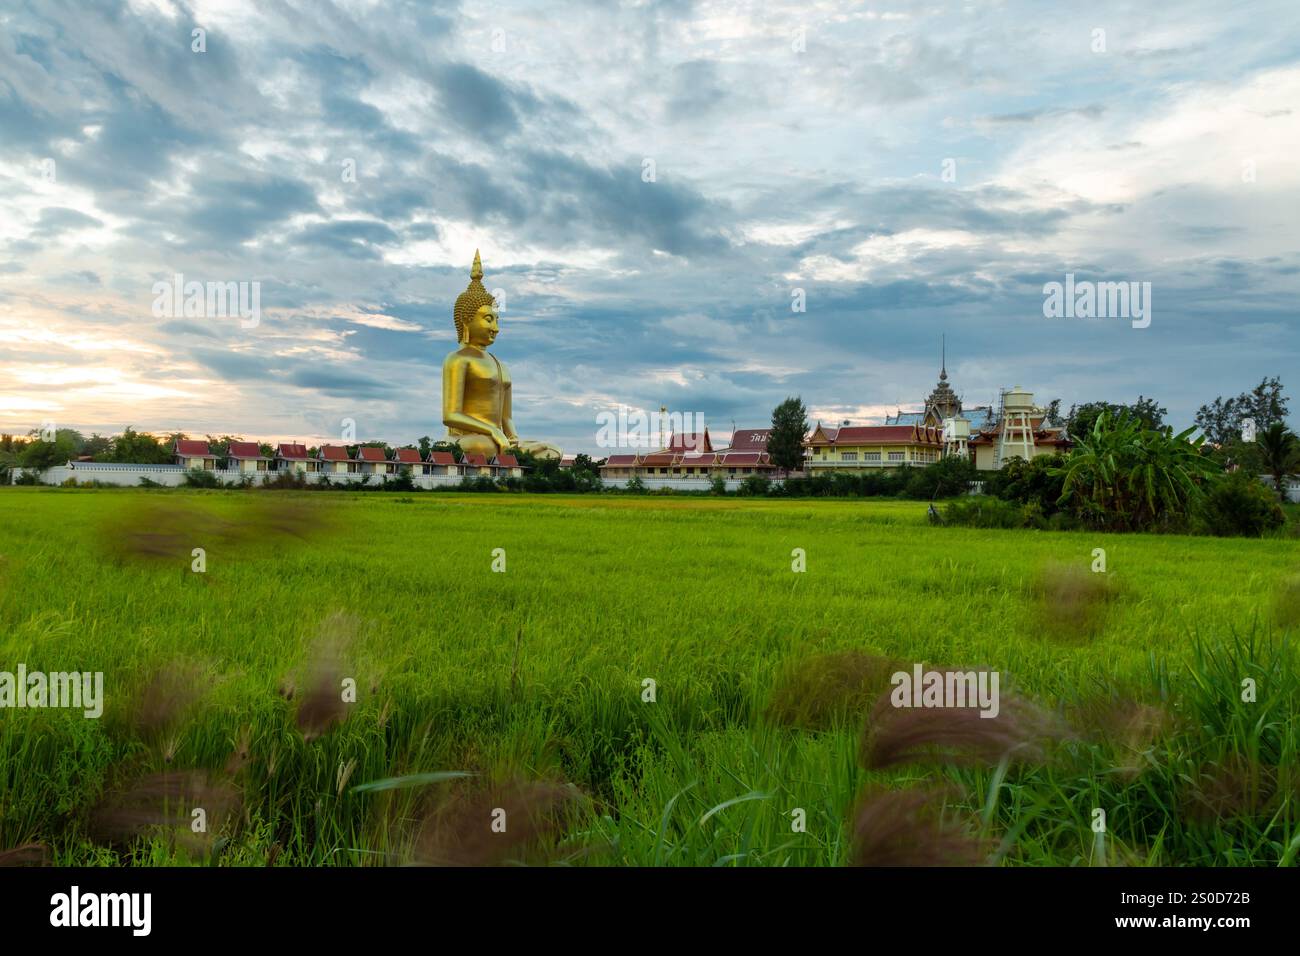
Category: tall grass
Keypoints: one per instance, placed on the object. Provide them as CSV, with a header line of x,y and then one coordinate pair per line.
x,y
524,690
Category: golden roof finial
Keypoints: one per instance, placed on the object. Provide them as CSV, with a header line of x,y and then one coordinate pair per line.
x,y
472,299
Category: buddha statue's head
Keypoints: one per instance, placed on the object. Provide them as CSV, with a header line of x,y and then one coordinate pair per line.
x,y
475,311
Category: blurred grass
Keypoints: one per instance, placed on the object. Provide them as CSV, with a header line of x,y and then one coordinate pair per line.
x,y
537,673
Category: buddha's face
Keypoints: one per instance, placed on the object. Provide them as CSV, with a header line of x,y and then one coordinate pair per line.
x,y
482,329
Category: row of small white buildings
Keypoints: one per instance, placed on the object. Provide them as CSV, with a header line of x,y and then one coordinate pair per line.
x,y
246,458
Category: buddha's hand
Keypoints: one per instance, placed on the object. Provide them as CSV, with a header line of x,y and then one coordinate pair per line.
x,y
500,438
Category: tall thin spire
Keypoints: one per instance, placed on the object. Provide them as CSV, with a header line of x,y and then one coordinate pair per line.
x,y
943,360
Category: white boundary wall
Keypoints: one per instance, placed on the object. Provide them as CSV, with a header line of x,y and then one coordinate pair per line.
x,y
173,476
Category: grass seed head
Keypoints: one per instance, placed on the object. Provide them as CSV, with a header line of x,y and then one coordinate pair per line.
x,y
322,706
957,735
29,854
165,801
913,828
818,691
460,831
1072,600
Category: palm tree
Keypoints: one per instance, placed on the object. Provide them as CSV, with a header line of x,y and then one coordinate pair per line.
x,y
1280,450
1127,476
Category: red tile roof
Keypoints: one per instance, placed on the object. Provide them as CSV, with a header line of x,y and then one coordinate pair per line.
x,y
731,459
408,456
619,461
696,461
476,461
507,461
366,453
334,453
662,458
750,439
244,449
292,451
879,434
191,448
441,458
690,441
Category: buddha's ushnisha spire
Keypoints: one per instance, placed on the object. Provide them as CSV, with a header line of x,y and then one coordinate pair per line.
x,y
472,299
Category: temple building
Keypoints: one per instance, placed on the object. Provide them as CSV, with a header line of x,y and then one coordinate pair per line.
x,y
856,448
989,434
692,455
942,404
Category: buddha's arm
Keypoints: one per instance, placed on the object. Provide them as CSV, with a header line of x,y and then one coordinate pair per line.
x,y
507,415
453,401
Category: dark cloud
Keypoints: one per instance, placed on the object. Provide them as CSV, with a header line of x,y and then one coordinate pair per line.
x,y
55,220
229,211
187,328
355,237
332,380
478,103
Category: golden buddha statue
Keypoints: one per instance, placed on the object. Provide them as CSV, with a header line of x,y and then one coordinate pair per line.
x,y
475,384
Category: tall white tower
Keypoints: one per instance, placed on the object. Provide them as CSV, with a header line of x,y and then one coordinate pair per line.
x,y
956,433
1015,426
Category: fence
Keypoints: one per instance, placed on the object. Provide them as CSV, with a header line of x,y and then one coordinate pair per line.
x,y
173,476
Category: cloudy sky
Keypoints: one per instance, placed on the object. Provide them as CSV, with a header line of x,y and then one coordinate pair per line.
x,y
793,146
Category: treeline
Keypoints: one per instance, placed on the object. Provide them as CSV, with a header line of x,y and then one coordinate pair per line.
x,y
1125,476
943,479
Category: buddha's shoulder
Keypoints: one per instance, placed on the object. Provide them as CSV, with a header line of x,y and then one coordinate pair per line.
x,y
461,356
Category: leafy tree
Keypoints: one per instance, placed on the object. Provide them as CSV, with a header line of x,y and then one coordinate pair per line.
x,y
425,446
1083,417
41,454
1241,505
944,478
8,462
1279,451
97,445
1038,482
1127,477
785,441
138,448
1221,420
1053,414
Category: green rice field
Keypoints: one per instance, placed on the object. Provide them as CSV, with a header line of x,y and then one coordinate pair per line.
x,y
504,716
